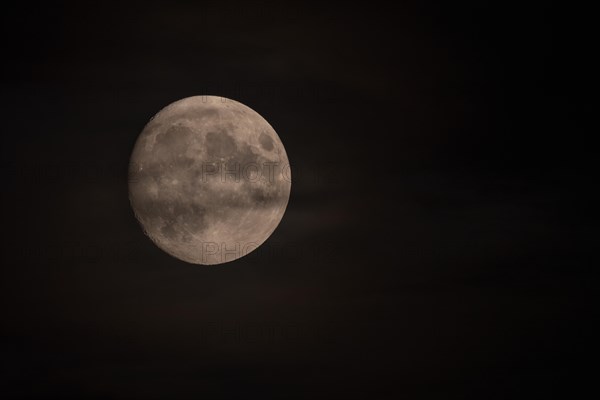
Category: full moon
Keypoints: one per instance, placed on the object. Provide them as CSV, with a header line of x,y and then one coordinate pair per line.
x,y
209,180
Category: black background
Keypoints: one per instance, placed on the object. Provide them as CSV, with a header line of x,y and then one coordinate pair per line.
x,y
434,245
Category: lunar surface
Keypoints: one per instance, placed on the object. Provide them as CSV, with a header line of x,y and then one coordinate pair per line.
x,y
209,180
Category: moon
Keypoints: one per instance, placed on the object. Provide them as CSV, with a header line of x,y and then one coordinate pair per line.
x,y
209,180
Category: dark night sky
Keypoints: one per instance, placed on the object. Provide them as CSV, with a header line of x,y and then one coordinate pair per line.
x,y
435,242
